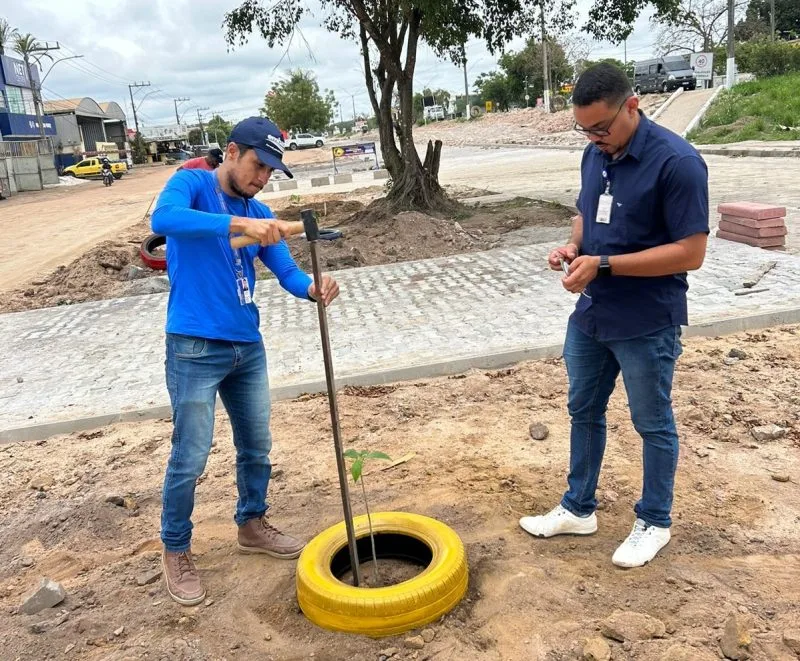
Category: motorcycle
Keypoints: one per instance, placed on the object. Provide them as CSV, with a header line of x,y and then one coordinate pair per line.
x,y
108,177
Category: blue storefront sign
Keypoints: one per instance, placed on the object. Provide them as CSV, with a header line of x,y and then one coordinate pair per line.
x,y
25,125
14,72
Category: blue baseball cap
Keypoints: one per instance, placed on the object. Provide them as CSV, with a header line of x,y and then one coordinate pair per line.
x,y
265,138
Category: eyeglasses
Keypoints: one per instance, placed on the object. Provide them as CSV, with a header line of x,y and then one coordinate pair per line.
x,y
601,133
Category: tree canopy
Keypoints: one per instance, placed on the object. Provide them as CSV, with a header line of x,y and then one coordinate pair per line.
x,y
389,33
295,103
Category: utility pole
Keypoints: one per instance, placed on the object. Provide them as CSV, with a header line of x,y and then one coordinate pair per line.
x,y
731,52
772,20
353,98
527,96
177,101
36,89
545,67
133,105
202,131
466,85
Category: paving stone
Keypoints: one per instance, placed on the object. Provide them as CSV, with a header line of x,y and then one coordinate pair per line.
x,y
754,210
105,358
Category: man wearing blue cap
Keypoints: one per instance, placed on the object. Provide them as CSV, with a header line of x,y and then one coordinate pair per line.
x,y
214,345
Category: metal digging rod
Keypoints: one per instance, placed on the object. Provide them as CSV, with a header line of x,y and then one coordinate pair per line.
x,y
312,234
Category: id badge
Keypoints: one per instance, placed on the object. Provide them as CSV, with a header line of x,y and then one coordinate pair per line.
x,y
604,208
244,291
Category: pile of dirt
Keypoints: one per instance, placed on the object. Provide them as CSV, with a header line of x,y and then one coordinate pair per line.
x,y
103,272
371,239
83,509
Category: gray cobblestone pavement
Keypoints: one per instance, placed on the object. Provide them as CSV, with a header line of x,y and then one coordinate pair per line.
x,y
106,358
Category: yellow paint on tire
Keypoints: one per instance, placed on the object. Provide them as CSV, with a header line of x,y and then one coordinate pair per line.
x,y
390,610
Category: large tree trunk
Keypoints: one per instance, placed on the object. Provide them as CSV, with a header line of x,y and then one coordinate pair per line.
x,y
414,184
416,187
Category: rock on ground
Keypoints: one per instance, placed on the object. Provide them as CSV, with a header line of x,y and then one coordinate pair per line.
x,y
736,639
768,433
629,625
48,594
791,638
687,653
596,649
538,431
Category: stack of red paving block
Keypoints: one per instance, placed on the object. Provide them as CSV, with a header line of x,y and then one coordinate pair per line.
x,y
759,225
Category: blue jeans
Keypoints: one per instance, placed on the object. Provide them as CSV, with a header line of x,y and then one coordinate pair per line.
x,y
647,365
198,369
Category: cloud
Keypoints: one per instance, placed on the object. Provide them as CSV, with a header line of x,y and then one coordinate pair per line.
x,y
178,46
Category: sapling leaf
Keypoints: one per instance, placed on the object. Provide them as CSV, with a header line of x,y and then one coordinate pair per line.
x,y
356,468
378,455
352,454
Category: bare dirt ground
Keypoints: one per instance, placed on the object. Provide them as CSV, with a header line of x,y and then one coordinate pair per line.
x,y
45,229
103,271
524,126
735,551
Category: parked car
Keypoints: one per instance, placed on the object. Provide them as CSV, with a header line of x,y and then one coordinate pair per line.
x,y
303,140
663,74
91,168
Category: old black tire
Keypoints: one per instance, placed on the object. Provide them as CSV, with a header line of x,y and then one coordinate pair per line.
x,y
375,612
147,251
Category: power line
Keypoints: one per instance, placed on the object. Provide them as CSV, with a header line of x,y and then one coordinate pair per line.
x,y
113,75
88,72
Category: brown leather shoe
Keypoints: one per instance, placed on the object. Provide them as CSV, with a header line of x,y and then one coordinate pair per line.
x,y
182,579
258,536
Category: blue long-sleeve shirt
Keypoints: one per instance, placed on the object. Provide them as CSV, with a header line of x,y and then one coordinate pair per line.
x,y
204,298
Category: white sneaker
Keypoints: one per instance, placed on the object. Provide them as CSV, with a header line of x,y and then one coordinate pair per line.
x,y
641,546
559,521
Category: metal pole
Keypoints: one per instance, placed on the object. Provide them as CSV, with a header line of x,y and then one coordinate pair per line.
x,y
35,90
545,67
729,78
312,234
466,85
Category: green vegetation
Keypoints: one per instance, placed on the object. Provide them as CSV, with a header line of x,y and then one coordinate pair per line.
x,y
753,111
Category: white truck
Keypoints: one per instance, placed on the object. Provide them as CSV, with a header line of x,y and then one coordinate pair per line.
x,y
302,140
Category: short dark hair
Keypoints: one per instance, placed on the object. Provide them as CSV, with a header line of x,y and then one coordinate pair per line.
x,y
242,148
601,82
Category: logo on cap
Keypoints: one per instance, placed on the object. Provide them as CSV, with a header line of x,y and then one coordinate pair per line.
x,y
276,143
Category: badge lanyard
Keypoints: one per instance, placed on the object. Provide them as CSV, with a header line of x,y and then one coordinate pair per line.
x,y
242,284
605,203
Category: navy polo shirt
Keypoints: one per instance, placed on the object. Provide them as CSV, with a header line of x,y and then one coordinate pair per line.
x,y
660,191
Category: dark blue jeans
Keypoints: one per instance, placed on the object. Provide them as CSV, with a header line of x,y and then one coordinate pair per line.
x,y
197,370
647,365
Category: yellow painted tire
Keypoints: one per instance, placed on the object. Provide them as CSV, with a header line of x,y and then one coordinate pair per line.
x,y
386,611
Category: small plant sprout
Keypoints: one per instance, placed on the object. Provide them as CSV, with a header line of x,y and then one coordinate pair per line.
x,y
356,470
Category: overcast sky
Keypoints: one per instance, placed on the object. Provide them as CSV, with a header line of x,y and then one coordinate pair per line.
x,y
178,46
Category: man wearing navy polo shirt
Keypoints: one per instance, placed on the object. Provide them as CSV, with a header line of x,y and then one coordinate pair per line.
x,y
214,345
643,223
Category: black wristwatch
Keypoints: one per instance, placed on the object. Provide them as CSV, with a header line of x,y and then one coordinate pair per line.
x,y
604,269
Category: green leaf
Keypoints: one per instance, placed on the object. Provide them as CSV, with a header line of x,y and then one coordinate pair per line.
x,y
352,454
377,455
356,468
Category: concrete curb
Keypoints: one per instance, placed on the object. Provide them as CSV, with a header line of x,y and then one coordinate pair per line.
x,y
660,110
701,113
422,371
751,153
320,181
